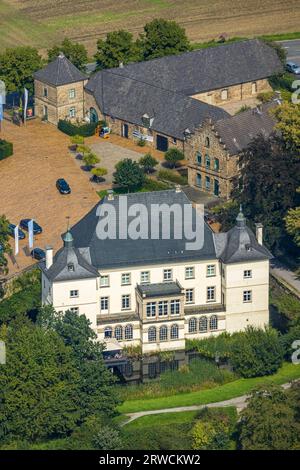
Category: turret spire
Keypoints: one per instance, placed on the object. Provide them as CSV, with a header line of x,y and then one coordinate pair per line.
x,y
241,220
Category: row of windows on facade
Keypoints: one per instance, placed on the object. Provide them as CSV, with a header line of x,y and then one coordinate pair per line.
x,y
203,325
167,275
224,93
72,93
119,332
207,161
163,333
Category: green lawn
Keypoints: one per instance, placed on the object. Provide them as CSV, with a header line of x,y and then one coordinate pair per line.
x,y
234,389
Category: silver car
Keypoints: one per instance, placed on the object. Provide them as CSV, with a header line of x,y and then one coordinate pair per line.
x,y
293,68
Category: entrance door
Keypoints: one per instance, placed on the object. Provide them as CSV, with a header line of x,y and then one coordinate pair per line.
x,y
162,143
216,188
125,132
93,115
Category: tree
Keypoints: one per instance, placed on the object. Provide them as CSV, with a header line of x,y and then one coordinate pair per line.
x,y
5,248
270,174
173,156
288,123
161,38
39,385
288,339
117,48
129,175
108,438
211,431
98,173
292,223
90,159
148,162
17,66
256,352
268,422
74,51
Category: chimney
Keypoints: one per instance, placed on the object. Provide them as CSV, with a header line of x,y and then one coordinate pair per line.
x,y
259,233
49,256
178,188
110,195
121,65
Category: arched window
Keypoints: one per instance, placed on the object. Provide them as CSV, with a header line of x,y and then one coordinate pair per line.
x,y
152,334
199,158
128,332
207,142
207,161
213,322
174,332
203,324
217,164
192,325
163,333
108,332
119,333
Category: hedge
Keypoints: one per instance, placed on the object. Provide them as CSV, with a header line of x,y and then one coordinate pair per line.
x,y
84,130
6,149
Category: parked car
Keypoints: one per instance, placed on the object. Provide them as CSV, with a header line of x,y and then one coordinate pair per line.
x,y
11,228
36,227
63,186
293,68
38,253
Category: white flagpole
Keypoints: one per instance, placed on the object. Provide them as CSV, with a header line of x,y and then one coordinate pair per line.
x,y
30,233
25,104
16,234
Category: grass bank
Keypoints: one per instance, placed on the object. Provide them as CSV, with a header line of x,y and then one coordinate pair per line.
x,y
234,389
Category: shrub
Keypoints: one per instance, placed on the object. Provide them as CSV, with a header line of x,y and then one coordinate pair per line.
x,y
173,156
107,438
288,339
212,347
141,142
172,176
6,149
153,185
129,175
265,96
148,162
84,130
243,108
211,431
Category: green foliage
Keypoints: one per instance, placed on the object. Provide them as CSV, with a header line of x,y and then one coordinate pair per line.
x,y
288,116
162,37
99,172
288,339
173,156
292,222
84,130
226,214
265,96
286,304
158,437
148,163
280,51
141,142
268,422
172,176
38,386
6,149
129,175
256,352
107,438
77,140
211,431
4,246
117,48
74,51
90,159
17,66
243,108
212,347
154,185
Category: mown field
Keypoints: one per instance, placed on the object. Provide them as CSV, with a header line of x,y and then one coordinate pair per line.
x,y
43,22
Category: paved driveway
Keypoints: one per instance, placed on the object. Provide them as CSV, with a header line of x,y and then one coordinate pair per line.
x,y
28,179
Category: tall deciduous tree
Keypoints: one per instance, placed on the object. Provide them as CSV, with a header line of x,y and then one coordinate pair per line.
x,y
74,51
288,116
117,48
162,37
129,175
17,66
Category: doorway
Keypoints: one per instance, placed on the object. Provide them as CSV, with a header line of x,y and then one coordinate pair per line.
x,y
162,143
125,131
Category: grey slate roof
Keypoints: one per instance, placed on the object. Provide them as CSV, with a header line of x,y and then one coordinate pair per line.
x,y
239,244
129,99
60,72
160,289
237,131
110,253
208,69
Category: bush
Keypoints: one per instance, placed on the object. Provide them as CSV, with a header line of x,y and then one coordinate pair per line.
x,y
153,185
211,431
288,339
212,347
265,96
84,130
172,176
173,156
6,149
141,142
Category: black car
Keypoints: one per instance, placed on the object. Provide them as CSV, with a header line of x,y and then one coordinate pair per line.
x,y
38,253
11,228
36,227
63,186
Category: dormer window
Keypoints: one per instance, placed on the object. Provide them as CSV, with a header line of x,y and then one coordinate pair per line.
x,y
248,247
71,267
147,121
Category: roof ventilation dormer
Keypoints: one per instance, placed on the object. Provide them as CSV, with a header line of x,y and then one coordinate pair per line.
x,y
61,55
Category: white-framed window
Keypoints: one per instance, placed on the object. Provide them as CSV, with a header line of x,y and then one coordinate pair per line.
x,y
168,275
74,293
72,93
210,270
145,277
192,325
247,296
213,322
128,332
119,332
74,310
151,309
189,296
174,332
125,302
152,334
72,112
211,294
162,308
104,280
125,279
190,272
203,324
104,303
108,332
163,333
247,274
175,307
